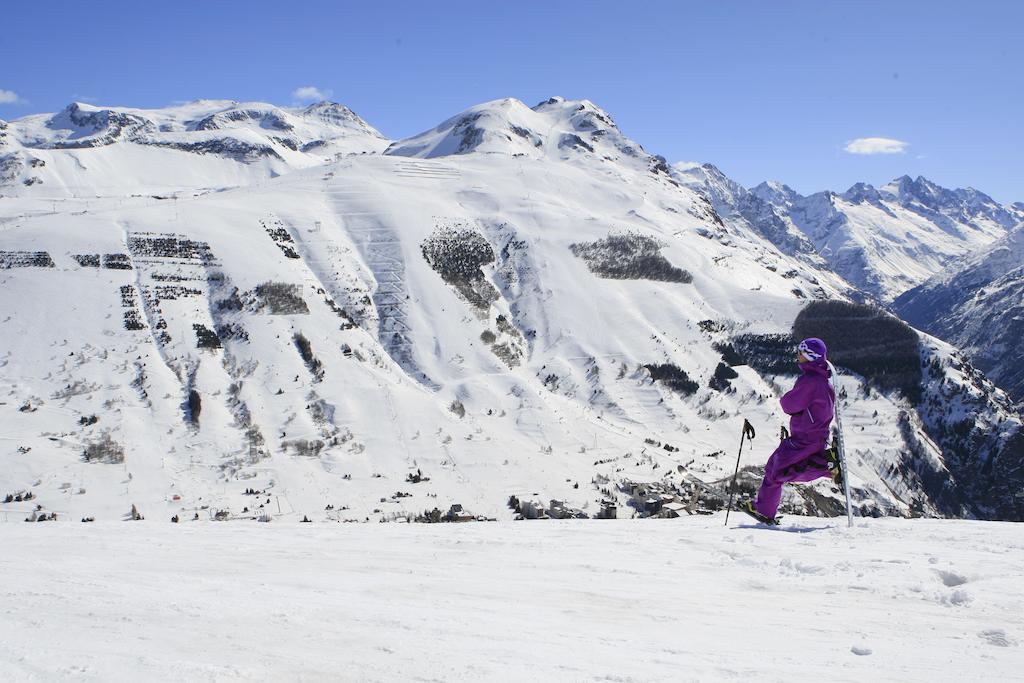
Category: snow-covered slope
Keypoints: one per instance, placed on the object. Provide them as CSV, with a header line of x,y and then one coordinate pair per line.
x,y
881,240
85,150
665,600
385,334
978,304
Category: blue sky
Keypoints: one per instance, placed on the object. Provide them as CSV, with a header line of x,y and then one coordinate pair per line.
x,y
761,89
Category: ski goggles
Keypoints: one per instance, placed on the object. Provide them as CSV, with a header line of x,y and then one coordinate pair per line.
x,y
808,352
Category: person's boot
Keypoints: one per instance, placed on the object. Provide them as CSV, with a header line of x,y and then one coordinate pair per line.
x,y
747,506
835,466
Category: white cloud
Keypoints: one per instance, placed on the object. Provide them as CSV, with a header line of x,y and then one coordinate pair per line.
x,y
9,97
876,146
310,93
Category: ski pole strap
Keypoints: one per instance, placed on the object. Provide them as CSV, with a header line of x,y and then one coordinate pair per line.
x,y
748,429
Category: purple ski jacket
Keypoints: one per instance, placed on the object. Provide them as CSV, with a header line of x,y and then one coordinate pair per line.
x,y
810,404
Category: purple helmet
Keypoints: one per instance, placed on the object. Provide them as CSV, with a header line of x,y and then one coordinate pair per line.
x,y
813,348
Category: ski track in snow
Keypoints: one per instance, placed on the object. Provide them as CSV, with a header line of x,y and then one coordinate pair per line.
x,y
900,600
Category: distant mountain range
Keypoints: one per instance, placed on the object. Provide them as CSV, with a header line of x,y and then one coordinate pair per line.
x,y
135,148
883,241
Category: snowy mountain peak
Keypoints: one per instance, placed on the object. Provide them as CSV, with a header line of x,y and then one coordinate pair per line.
x,y
724,193
84,125
504,126
776,193
712,172
338,114
965,206
777,186
708,174
897,184
264,115
582,115
908,190
556,128
862,192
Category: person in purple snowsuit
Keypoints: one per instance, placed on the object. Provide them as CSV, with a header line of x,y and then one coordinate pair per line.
x,y
801,457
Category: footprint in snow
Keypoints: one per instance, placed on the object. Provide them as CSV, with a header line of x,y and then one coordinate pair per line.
x,y
790,567
860,650
950,579
997,637
958,598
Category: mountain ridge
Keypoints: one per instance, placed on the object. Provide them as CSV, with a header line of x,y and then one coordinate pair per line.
x,y
881,240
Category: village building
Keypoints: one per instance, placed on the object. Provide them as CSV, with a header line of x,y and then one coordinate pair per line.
x,y
532,509
672,510
608,510
457,514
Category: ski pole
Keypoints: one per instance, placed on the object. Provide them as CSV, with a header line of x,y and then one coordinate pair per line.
x,y
748,433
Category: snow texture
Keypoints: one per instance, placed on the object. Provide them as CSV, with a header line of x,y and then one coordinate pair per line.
x,y
688,599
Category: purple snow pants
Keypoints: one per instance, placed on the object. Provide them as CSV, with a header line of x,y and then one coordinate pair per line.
x,y
792,461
